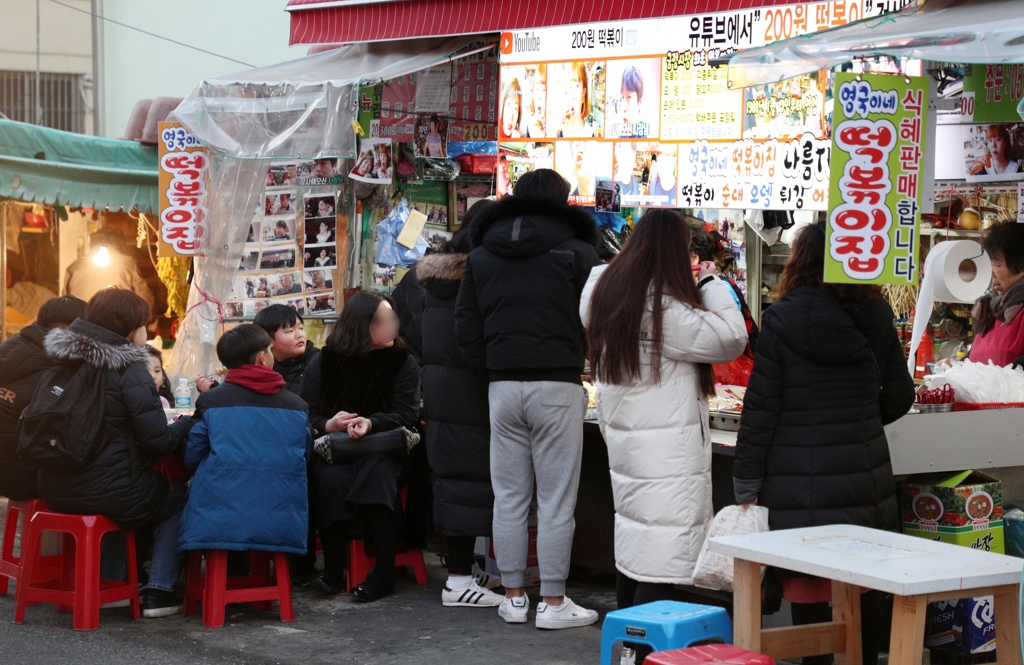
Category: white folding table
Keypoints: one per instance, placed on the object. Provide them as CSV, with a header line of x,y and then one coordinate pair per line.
x,y
916,570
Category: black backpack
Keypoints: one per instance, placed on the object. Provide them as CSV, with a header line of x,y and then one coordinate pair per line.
x,y
63,428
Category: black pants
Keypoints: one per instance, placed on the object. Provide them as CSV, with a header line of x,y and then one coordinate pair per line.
x,y
629,592
872,620
460,554
305,564
383,526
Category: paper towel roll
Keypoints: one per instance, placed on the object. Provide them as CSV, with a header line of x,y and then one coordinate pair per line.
x,y
955,271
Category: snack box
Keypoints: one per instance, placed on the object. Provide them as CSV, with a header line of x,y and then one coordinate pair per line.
x,y
964,509
963,626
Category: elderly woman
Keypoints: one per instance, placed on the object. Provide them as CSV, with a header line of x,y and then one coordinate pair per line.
x,y
998,322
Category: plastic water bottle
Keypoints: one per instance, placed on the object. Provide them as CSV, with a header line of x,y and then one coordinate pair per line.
x,y
182,398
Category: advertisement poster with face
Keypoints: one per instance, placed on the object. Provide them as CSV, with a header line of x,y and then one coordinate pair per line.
x,y
646,173
582,164
992,152
431,132
634,99
575,100
374,163
524,102
513,164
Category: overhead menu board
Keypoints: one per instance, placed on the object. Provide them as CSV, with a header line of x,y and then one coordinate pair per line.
x,y
572,95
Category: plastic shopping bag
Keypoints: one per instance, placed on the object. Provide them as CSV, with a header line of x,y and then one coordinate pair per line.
x,y
714,571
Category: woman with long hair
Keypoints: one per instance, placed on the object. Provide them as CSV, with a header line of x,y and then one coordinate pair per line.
x,y
653,333
574,124
363,382
828,374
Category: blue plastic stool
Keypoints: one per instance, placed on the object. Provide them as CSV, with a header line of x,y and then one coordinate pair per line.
x,y
664,625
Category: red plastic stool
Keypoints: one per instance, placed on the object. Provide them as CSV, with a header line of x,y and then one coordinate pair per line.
x,y
360,564
79,588
726,654
216,590
10,565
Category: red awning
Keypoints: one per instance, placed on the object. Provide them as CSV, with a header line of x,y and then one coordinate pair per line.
x,y
346,21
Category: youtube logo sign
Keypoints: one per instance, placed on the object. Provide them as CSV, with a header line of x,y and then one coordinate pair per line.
x,y
525,42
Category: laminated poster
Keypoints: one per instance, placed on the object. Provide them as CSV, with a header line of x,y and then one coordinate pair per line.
x,y
374,164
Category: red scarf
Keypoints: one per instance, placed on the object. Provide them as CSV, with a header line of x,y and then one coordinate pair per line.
x,y
261,379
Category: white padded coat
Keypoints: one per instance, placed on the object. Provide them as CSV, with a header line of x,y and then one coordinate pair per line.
x,y
659,447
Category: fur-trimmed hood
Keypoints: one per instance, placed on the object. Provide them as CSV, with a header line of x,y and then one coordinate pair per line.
x,y
441,266
83,341
517,227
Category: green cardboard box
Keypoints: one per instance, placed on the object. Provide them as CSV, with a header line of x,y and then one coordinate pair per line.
x,y
964,509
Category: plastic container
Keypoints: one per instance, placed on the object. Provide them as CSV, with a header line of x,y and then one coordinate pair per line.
x,y
483,164
183,398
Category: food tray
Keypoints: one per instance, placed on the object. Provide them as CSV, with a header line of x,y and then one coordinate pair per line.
x,y
933,408
987,406
729,422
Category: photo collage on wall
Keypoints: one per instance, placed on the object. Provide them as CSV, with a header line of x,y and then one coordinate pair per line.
x,y
290,253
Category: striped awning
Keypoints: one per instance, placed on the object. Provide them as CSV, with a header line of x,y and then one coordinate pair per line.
x,y
347,21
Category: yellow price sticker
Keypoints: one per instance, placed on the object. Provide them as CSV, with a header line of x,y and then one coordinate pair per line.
x,y
479,131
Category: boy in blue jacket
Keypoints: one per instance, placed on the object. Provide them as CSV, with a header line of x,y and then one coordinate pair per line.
x,y
248,450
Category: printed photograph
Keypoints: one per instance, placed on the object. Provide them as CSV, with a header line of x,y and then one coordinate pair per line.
x,y
524,95
284,284
319,172
277,259
431,135
281,175
250,259
318,280
321,305
279,230
254,233
320,231
319,257
512,164
993,152
279,204
319,205
374,163
234,309
607,197
582,163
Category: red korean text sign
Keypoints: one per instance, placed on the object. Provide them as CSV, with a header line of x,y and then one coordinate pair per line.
x,y
874,214
184,167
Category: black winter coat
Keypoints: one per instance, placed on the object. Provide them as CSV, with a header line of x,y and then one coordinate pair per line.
x,y
811,445
517,312
293,369
23,360
408,297
118,483
455,402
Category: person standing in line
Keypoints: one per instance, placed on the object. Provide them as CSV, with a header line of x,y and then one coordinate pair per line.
x,y
828,374
23,361
517,315
653,334
458,426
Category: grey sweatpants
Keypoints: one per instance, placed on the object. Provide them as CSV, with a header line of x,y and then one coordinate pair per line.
x,y
536,432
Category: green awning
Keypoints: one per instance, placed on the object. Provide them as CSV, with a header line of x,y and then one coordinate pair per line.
x,y
44,165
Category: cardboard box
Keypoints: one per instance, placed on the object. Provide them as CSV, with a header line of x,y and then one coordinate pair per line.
x,y
965,509
964,626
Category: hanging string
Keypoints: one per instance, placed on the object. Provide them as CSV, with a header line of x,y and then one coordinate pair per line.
x,y
206,298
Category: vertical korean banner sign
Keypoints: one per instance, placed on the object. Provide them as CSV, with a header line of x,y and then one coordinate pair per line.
x,y
874,214
183,174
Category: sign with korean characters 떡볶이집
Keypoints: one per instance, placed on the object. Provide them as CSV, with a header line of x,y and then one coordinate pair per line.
x,y
183,166
874,214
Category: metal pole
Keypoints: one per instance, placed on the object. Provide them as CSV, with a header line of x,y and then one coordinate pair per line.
x,y
95,69
39,106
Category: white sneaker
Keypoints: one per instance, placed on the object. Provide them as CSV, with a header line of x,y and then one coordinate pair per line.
x,y
485,579
514,610
473,595
566,615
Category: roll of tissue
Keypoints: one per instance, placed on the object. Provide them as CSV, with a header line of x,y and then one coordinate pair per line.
x,y
955,271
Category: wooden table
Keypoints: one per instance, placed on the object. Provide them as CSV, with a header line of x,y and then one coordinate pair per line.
x,y
917,571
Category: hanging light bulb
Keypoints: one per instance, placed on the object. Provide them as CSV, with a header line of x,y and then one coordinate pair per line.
x,y
101,258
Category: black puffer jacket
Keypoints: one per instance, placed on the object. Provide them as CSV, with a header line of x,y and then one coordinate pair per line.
x,y
22,363
811,444
517,312
455,402
408,297
118,483
293,369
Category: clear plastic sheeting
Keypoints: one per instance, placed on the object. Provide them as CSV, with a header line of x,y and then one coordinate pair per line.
x,y
976,383
964,31
302,108
236,189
